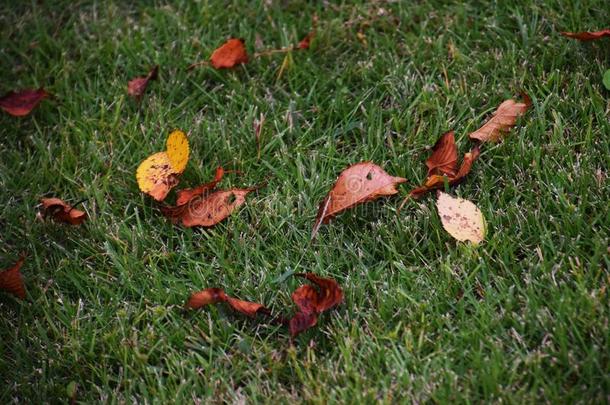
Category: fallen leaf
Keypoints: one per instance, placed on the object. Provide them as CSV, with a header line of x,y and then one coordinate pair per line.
x,y
136,87
23,102
461,218
62,212
311,302
208,210
587,35
11,279
158,173
357,184
215,295
503,119
306,41
185,195
231,53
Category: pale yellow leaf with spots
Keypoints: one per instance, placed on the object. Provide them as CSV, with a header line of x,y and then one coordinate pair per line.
x,y
461,218
178,151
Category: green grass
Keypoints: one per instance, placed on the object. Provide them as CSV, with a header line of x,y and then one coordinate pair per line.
x,y
521,318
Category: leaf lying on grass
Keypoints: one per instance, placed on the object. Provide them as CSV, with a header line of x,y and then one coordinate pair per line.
x,y
136,87
503,119
11,279
230,54
587,35
357,184
187,194
21,103
443,166
158,174
61,211
216,295
461,218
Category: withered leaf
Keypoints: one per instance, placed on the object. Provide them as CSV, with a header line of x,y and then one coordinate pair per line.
x,y
311,302
503,119
62,212
185,195
136,87
461,218
587,35
23,102
231,53
216,295
11,279
357,184
306,41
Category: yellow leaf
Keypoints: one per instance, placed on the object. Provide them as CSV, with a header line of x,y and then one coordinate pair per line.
x,y
155,176
178,151
461,218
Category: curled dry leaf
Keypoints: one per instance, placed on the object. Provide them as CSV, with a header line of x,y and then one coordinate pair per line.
x,y
187,194
311,302
23,102
158,174
11,279
60,211
587,35
357,184
136,87
504,118
461,218
442,165
216,295
230,54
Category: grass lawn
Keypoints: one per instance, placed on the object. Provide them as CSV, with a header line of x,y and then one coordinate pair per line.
x,y
521,318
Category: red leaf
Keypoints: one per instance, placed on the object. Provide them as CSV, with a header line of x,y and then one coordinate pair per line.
x,y
184,196
11,280
216,295
62,212
231,53
503,119
22,103
357,184
587,35
311,302
306,42
136,87
443,159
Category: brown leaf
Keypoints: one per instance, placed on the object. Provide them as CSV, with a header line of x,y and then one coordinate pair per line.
x,y
11,279
136,87
503,119
231,53
443,159
306,41
216,295
587,35
357,184
208,210
23,102
184,196
62,212
311,302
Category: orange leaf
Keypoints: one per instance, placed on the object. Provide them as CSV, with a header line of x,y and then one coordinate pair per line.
x,y
357,184
306,42
231,53
11,280
216,295
504,118
184,196
136,87
22,103
587,35
443,159
62,212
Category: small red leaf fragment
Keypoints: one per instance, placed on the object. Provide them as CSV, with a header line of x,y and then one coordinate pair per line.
x,y
136,87
357,184
21,103
11,280
306,41
215,295
62,212
587,35
231,53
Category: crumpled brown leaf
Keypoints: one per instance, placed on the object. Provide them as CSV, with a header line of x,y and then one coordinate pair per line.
x,y
311,302
21,103
357,184
62,212
230,54
215,295
187,194
587,35
503,119
11,279
136,87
